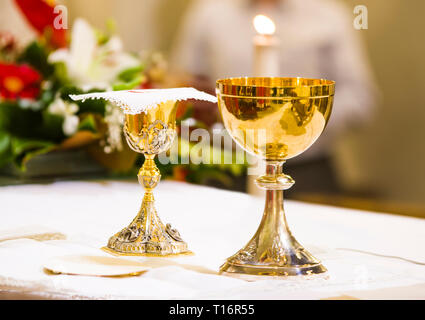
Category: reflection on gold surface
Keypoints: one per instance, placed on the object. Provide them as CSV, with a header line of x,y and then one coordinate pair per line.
x,y
280,123
145,132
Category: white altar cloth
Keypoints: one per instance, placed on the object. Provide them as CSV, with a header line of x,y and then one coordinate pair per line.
x,y
215,224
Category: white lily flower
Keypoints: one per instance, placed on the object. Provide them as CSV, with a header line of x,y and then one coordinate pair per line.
x,y
70,125
90,64
68,111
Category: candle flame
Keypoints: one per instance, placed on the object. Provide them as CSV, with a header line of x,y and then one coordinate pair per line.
x,y
264,25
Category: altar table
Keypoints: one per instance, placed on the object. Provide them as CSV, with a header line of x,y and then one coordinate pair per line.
x,y
368,255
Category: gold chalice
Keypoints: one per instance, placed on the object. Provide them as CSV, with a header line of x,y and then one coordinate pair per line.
x,y
274,119
150,128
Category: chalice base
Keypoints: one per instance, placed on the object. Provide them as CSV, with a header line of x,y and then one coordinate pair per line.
x,y
272,256
254,272
273,251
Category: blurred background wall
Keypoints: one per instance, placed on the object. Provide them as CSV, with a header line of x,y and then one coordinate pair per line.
x,y
386,159
389,156
143,24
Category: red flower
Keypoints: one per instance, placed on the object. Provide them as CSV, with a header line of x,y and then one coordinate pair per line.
x,y
145,85
180,173
18,82
41,16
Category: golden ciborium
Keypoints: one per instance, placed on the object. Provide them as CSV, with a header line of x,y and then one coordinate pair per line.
x,y
150,133
150,128
274,119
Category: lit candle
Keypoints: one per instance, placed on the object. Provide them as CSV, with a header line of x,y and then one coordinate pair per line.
x,y
266,53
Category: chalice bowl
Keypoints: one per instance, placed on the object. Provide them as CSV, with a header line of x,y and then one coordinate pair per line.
x,y
274,119
150,128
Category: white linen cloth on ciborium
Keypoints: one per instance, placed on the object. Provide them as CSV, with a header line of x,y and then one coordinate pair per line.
x,y
141,100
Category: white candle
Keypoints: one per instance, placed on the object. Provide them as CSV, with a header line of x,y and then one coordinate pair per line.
x,y
266,48
265,64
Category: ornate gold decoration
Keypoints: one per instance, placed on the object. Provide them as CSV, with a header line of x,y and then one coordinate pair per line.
x,y
149,133
275,119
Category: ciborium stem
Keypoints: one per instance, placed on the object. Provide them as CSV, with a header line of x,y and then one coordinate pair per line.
x,y
273,250
149,177
147,235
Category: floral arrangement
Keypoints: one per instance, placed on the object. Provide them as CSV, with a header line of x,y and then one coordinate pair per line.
x,y
37,116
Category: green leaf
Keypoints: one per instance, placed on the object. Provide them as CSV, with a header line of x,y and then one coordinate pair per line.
x,y
4,142
25,149
202,174
237,169
61,73
52,128
36,56
6,154
88,123
46,98
111,26
130,74
6,107
18,121
102,37
28,123
128,85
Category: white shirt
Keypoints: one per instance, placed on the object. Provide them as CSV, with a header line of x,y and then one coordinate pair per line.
x,y
317,40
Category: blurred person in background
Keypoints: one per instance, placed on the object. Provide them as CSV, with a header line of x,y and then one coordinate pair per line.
x,y
317,40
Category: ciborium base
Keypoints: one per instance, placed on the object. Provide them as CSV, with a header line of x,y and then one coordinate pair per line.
x,y
147,236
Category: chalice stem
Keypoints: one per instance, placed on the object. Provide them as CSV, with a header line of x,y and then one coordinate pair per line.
x,y
274,228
